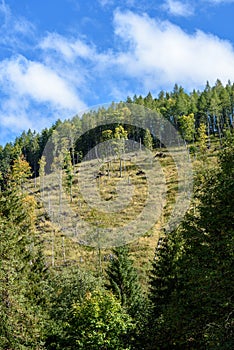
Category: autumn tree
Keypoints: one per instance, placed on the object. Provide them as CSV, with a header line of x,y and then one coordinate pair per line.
x,y
148,140
202,139
187,126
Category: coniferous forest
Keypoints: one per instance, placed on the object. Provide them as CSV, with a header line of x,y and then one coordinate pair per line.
x,y
169,290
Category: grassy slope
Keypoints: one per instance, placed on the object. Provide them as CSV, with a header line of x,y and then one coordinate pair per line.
x,y
61,249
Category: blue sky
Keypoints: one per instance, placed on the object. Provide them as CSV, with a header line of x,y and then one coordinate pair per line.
x,y
59,57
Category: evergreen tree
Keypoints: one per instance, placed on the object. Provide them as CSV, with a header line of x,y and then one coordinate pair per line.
x,y
123,280
215,113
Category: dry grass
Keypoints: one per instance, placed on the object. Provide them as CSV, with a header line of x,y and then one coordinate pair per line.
x,y
62,247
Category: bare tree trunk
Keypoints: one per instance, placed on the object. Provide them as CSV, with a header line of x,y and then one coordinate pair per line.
x,y
52,250
208,130
120,167
64,251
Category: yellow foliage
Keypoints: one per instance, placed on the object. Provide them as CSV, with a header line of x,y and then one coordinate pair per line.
x,y
30,205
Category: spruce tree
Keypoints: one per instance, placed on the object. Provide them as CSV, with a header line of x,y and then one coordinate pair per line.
x,y
123,280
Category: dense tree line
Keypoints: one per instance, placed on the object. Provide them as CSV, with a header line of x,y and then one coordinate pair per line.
x,y
212,108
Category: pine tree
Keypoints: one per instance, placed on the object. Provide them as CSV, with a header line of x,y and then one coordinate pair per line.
x,y
69,173
123,280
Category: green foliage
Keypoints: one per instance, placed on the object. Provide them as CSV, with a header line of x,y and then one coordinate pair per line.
x,y
107,135
191,284
148,140
123,280
69,173
187,126
202,139
66,287
100,323
21,171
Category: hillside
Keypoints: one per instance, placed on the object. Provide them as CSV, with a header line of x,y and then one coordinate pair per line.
x,y
117,227
62,249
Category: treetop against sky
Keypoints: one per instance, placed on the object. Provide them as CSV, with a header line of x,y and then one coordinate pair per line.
x,y
59,57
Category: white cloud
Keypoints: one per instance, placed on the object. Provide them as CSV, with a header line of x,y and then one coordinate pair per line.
x,y
178,8
33,79
17,115
70,49
13,29
4,11
78,62
161,54
34,95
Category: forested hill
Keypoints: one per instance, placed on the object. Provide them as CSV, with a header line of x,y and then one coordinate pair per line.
x,y
175,292
213,107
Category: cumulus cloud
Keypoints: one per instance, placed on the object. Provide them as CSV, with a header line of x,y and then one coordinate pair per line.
x,y
38,82
34,95
161,53
178,8
77,61
69,48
